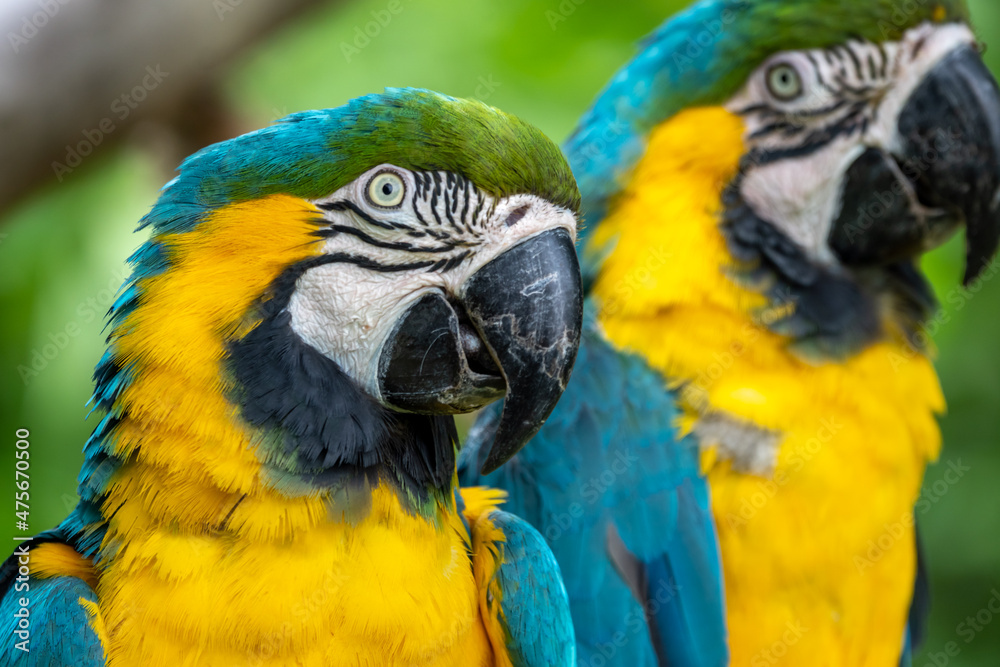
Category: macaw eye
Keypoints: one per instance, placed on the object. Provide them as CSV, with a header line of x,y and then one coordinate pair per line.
x,y
784,82
386,190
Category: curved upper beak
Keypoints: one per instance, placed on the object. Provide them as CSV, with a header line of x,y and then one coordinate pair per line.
x,y
946,173
513,329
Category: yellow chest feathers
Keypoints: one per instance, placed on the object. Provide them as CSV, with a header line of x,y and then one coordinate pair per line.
x,y
809,463
394,589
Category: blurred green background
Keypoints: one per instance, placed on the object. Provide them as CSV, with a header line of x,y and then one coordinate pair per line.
x,y
62,250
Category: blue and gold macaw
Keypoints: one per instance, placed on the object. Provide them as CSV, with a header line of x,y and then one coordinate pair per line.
x,y
758,184
274,482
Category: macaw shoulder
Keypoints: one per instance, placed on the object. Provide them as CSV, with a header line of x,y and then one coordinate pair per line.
x,y
48,612
522,597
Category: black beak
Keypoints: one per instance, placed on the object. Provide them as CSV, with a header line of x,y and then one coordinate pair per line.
x,y
515,326
948,173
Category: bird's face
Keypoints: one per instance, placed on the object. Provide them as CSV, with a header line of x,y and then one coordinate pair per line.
x,y
866,155
438,298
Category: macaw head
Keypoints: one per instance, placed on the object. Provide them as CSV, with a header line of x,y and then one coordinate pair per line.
x,y
328,291
868,131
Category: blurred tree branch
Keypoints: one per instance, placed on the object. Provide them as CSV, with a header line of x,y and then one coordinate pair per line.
x,y
74,74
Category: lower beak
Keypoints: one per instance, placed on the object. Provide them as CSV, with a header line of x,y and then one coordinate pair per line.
x,y
514,329
947,174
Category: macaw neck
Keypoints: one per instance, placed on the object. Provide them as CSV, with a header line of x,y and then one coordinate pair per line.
x,y
196,572
187,455
183,457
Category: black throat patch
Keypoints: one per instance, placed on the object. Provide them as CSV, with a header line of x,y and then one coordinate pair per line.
x,y
829,314
318,430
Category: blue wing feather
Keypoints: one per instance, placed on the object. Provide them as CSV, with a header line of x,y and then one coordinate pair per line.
x,y
536,612
609,461
57,628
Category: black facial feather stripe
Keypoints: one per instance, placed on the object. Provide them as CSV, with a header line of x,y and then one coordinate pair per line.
x,y
388,245
854,60
857,91
767,111
465,207
761,108
814,142
883,70
371,264
434,196
420,217
440,236
446,265
829,88
872,67
449,200
418,185
479,208
348,205
782,126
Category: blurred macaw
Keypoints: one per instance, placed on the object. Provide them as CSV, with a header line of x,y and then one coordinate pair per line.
x,y
758,184
274,482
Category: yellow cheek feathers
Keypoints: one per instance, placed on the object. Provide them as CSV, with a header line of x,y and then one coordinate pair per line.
x,y
217,272
188,459
180,420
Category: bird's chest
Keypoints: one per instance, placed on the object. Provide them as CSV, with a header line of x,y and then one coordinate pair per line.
x,y
392,590
814,471
813,494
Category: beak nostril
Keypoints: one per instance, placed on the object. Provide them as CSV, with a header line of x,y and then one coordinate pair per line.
x,y
478,357
516,215
476,353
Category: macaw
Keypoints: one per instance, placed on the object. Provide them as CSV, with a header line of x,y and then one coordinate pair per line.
x,y
274,482
755,380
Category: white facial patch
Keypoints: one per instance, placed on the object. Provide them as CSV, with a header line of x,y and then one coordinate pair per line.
x,y
810,114
382,260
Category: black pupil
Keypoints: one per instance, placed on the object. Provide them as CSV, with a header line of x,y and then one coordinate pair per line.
x,y
785,78
387,189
